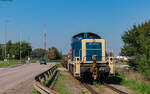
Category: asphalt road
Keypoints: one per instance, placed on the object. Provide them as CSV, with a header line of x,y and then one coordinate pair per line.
x,y
11,77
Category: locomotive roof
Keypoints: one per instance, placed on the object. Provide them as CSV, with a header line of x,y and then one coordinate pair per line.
x,y
89,33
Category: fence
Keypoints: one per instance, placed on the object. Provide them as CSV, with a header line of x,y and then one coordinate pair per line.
x,y
43,77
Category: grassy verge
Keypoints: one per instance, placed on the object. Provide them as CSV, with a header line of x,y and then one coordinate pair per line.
x,y
66,84
34,91
60,86
132,80
136,87
48,82
59,65
9,63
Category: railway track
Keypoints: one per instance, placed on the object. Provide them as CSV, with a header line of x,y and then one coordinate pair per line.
x,y
89,88
114,89
92,91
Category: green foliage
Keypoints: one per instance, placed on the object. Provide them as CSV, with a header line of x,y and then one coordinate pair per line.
x,y
14,49
9,47
53,54
137,46
38,53
24,47
143,65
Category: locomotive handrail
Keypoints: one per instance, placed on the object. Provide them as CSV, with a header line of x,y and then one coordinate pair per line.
x,y
41,89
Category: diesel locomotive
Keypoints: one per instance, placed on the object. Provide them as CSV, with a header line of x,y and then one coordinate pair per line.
x,y
88,56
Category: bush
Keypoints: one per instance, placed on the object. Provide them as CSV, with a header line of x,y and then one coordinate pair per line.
x,y
137,46
143,65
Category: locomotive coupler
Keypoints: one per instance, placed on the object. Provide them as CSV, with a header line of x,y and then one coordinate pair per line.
x,y
94,69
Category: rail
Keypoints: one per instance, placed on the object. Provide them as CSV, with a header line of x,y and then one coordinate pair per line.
x,y
114,89
41,89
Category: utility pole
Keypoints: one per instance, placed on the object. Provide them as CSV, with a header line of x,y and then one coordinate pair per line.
x,y
45,36
20,46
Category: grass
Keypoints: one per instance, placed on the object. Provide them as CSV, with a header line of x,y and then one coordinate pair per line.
x,y
9,63
60,86
48,82
59,65
66,84
132,80
34,91
137,87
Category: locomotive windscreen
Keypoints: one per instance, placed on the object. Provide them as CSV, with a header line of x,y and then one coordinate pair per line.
x,y
93,48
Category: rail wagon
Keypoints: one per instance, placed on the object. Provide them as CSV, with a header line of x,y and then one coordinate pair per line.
x,y
88,56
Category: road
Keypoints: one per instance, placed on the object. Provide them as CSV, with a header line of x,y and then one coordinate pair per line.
x,y
11,77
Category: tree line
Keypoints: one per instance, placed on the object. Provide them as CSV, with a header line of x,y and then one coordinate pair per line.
x,y
137,46
24,49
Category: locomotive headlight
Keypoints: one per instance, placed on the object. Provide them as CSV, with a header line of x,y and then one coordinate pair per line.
x,y
94,57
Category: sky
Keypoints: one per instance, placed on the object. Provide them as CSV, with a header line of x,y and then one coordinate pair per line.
x,y
65,18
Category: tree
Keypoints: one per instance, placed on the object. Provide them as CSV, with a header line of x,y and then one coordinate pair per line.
x,y
137,45
8,47
25,49
53,54
38,53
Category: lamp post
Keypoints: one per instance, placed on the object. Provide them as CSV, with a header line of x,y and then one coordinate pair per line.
x,y
5,60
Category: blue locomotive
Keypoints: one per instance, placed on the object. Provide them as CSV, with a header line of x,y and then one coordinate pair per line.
x,y
88,55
